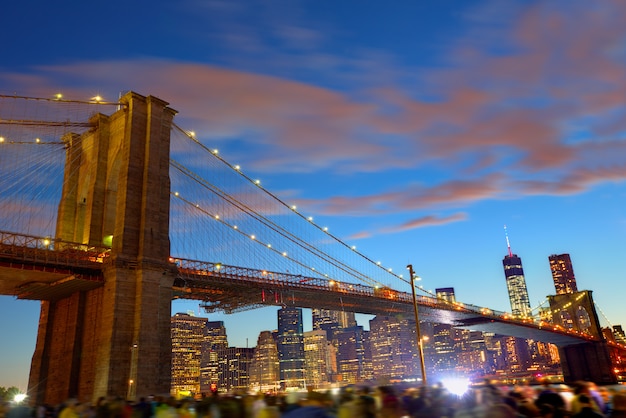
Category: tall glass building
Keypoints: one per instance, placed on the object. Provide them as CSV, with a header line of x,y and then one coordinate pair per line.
x,y
562,273
516,285
215,341
290,344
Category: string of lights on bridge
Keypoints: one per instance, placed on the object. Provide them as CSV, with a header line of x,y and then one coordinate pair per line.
x,y
66,123
257,182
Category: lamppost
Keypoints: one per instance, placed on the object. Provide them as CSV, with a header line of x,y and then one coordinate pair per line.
x,y
420,343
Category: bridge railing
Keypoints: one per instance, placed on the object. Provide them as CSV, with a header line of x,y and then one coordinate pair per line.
x,y
204,268
50,251
201,269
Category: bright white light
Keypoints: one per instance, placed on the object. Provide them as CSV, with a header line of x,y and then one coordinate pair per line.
x,y
456,385
237,167
1,139
19,397
310,219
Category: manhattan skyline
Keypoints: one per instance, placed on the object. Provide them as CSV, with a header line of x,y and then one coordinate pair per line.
x,y
414,131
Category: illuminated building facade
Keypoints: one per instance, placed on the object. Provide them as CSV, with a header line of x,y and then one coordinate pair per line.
x,y
215,341
562,273
516,285
350,354
330,321
290,344
234,368
264,371
188,334
394,348
317,354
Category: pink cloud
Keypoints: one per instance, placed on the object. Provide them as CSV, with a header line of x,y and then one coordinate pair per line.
x,y
426,221
498,126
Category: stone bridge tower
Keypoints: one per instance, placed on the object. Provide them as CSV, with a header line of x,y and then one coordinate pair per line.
x,y
113,340
590,361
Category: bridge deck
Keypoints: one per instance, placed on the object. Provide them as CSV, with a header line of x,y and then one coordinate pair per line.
x,y
54,272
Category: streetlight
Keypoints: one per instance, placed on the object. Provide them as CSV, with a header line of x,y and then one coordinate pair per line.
x,y
420,342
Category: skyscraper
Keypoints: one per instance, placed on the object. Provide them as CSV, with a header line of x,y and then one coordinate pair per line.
x,y
562,274
330,321
394,348
516,283
188,334
290,344
317,352
215,340
444,358
350,354
234,368
264,372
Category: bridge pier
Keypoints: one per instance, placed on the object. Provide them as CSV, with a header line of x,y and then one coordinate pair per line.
x,y
590,361
587,361
113,340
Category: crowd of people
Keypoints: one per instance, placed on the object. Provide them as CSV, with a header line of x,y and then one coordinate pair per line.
x,y
582,400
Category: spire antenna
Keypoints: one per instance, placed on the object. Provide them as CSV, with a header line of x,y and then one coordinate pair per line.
x,y
508,244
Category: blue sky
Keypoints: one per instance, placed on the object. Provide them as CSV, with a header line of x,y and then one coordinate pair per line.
x,y
415,129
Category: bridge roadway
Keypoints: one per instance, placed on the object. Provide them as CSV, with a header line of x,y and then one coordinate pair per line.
x,y
43,269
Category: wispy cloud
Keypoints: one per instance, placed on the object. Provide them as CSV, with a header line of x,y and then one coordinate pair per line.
x,y
536,110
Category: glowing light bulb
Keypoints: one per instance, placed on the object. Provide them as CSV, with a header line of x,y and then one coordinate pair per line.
x,y
175,193
237,167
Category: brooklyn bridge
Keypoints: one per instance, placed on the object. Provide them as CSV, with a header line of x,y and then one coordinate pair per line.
x,y
109,211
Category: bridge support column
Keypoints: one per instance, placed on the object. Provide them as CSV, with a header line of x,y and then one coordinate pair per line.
x,y
114,340
587,361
